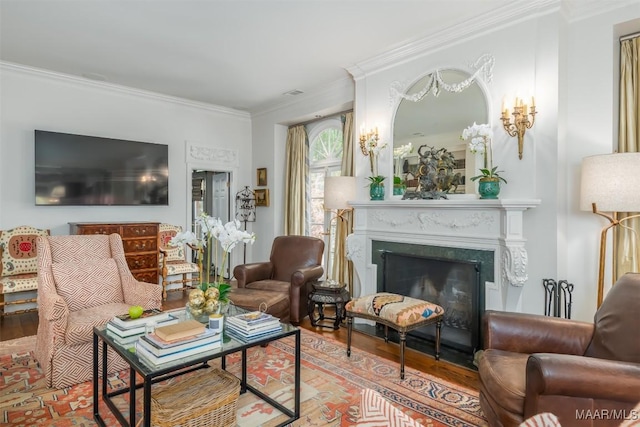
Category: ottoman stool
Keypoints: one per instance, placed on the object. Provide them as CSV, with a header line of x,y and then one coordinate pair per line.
x,y
397,312
275,303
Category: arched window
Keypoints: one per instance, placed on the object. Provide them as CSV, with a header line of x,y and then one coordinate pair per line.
x,y
325,158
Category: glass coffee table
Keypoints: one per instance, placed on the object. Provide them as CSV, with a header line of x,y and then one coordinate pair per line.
x,y
152,374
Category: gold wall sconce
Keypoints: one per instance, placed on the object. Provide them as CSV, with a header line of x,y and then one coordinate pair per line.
x,y
521,120
368,140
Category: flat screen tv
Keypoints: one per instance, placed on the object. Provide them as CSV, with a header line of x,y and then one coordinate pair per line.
x,y
79,170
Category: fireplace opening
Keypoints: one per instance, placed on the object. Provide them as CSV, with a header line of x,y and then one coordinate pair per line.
x,y
450,349
452,284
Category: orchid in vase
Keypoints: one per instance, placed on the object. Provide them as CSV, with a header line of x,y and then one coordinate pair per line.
x,y
371,146
480,135
207,297
399,153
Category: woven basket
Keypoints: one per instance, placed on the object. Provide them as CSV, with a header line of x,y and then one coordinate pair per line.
x,y
209,397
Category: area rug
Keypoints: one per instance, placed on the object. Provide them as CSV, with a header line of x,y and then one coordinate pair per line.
x,y
330,393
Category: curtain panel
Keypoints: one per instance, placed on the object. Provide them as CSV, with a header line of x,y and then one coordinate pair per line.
x,y
626,239
296,184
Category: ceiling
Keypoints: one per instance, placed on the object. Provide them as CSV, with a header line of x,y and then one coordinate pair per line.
x,y
241,54
238,54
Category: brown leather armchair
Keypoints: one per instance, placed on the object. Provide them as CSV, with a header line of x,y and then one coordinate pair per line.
x,y
575,370
295,261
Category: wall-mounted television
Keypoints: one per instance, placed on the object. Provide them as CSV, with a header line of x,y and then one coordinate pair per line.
x,y
79,170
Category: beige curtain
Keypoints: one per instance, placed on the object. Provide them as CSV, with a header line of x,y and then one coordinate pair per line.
x,y
297,175
627,242
343,268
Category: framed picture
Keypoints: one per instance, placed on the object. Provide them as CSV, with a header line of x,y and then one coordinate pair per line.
x,y
262,197
262,177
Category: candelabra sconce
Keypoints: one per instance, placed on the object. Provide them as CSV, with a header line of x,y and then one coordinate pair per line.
x,y
368,140
521,121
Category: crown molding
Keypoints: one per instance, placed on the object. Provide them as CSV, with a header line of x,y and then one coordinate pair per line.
x,y
111,87
505,16
577,10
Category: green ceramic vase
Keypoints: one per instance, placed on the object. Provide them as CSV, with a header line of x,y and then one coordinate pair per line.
x,y
489,188
398,190
376,191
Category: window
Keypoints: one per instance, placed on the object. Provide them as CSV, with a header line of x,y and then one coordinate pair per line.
x,y
325,158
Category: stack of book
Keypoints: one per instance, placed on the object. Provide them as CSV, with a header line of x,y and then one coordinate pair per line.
x,y
255,324
126,330
173,342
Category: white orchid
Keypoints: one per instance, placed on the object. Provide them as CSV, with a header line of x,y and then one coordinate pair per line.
x,y
481,135
229,235
372,147
402,151
184,238
376,147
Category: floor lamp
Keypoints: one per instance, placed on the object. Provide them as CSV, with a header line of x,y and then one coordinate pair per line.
x,y
610,184
338,190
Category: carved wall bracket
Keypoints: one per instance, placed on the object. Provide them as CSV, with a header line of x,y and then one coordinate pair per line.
x,y
514,265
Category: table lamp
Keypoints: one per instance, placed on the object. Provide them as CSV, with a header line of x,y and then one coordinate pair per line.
x,y
610,184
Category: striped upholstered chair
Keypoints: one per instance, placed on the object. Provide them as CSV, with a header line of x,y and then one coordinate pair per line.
x,y
83,281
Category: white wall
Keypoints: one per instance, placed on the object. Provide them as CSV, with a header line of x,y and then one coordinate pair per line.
x,y
32,99
591,109
269,129
571,68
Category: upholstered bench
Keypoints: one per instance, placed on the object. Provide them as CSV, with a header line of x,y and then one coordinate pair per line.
x,y
397,312
274,303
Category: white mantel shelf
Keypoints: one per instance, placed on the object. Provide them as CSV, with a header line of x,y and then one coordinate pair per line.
x,y
460,202
462,222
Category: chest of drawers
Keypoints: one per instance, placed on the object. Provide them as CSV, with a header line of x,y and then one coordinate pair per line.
x,y
140,241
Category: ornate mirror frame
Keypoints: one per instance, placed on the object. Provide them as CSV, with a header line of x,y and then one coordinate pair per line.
x,y
432,113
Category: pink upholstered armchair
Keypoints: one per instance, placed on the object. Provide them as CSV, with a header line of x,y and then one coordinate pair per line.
x,y
83,281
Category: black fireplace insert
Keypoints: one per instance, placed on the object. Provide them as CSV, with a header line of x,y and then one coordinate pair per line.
x,y
452,284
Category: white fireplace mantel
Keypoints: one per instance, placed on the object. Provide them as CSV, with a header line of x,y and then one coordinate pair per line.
x,y
462,222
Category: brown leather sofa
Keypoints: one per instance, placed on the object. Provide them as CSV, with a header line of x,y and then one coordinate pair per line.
x,y
587,374
295,261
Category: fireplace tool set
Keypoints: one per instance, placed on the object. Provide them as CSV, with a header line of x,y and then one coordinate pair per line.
x,y
558,298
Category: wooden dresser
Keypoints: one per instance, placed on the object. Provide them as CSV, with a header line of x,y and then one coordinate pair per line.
x,y
140,241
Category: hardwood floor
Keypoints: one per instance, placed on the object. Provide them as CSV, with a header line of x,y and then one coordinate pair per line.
x,y
26,324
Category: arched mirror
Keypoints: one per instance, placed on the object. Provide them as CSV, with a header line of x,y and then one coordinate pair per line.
x,y
438,121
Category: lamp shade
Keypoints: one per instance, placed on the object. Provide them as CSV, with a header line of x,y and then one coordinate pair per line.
x,y
612,182
338,190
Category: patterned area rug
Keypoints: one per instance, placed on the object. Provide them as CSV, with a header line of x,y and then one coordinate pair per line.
x,y
331,387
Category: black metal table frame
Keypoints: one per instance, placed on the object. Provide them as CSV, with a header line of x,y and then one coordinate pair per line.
x,y
169,372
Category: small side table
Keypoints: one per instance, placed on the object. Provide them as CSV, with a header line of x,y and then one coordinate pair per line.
x,y
325,292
